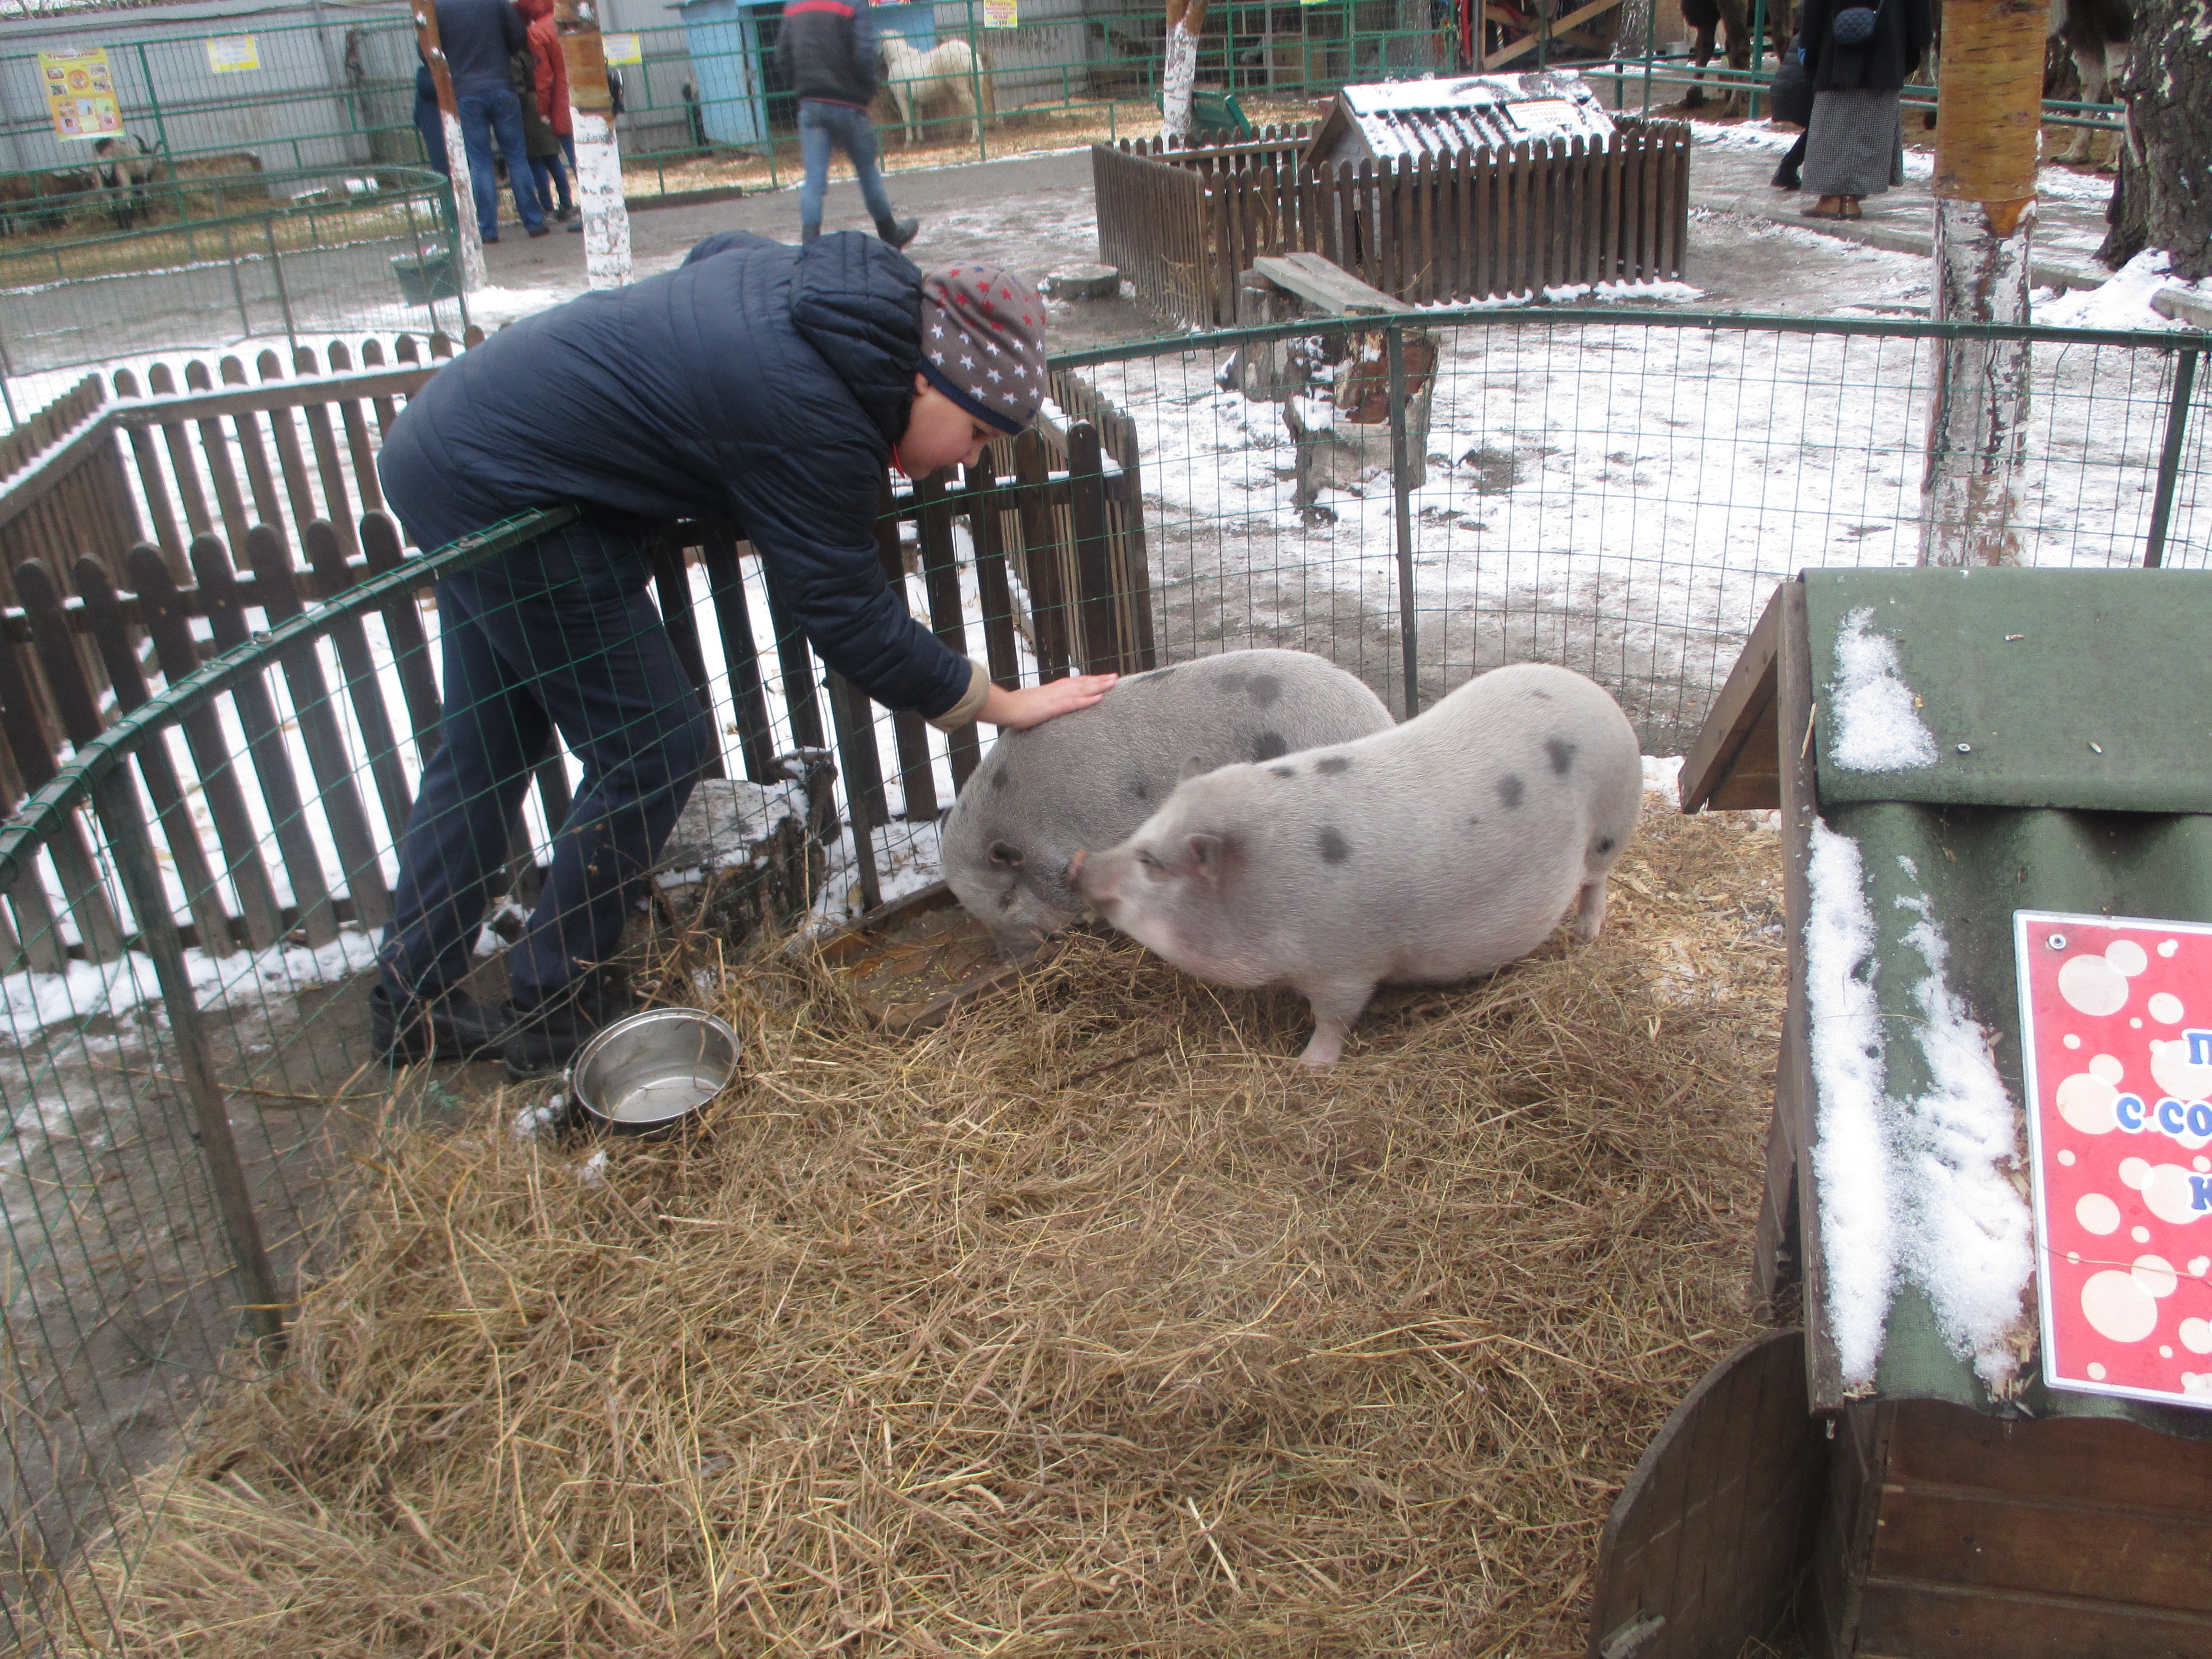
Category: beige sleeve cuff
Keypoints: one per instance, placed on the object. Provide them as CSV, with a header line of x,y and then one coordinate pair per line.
x,y
970,704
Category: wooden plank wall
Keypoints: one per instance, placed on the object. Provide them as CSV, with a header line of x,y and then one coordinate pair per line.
x,y
252,497
1426,229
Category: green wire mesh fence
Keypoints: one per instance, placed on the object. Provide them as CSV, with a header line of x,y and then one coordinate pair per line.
x,y
219,687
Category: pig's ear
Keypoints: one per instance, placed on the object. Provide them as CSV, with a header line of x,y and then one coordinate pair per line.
x,y
1005,855
1195,767
1210,854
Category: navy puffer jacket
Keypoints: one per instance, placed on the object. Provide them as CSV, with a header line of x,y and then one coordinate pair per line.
x,y
755,382
828,50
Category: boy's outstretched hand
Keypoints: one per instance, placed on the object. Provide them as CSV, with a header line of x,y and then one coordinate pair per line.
x,y
1033,705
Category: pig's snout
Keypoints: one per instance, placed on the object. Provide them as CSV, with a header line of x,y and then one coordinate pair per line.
x,y
1093,877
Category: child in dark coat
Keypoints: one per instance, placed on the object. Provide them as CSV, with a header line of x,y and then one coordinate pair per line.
x,y
756,383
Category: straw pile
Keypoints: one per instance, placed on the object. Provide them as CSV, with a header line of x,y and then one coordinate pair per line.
x,y
1089,1323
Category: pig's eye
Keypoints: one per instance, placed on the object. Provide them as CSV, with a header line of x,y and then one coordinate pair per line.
x,y
1151,865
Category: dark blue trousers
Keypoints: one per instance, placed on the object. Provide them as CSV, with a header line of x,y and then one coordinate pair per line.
x,y
558,633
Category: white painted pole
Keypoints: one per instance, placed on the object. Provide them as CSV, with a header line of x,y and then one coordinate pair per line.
x,y
469,256
607,262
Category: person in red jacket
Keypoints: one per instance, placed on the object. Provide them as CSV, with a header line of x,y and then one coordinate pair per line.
x,y
552,92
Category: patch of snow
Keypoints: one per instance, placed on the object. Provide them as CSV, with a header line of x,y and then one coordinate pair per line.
x,y
1852,1155
2121,302
1877,727
592,1171
537,1122
1662,774
1970,1241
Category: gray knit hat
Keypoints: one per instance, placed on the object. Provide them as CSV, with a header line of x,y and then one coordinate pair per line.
x,y
982,341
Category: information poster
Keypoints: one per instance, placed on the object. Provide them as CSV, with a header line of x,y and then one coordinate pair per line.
x,y
621,49
1001,13
227,54
80,94
2116,1019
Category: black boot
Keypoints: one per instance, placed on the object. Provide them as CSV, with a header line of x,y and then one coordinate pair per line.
x,y
405,1030
545,1036
898,232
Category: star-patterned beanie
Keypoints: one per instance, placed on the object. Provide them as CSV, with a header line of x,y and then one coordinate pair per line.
x,y
982,341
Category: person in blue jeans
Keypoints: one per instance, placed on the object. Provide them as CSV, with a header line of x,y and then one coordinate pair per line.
x,y
480,39
828,50
758,385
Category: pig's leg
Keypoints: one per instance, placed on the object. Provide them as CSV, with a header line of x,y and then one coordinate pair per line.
x,y
1336,1004
1589,909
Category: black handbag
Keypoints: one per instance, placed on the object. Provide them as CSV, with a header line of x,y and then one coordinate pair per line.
x,y
1854,25
1789,96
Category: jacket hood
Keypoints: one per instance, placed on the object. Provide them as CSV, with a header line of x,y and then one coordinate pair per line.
x,y
858,302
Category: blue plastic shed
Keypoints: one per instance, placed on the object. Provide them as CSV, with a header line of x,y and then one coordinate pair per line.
x,y
725,39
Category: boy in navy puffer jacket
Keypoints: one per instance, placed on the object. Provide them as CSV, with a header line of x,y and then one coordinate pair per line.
x,y
828,50
757,384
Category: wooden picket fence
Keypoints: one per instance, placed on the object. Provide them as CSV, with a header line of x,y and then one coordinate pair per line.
x,y
146,532
1184,223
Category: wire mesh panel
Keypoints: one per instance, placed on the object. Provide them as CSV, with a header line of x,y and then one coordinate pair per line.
x,y
220,734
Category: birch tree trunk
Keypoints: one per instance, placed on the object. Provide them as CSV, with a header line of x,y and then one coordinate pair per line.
x,y
2164,196
607,262
468,256
1179,73
1984,189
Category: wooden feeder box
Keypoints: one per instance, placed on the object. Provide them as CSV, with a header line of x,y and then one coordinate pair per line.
x,y
1934,1519
1448,118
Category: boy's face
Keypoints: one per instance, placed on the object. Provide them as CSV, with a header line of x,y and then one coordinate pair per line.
x,y
938,431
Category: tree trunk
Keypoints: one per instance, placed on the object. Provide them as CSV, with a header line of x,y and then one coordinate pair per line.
x,y
468,257
1984,188
1179,74
598,162
2164,196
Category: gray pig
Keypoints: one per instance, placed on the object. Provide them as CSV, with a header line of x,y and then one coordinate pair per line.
x,y
1089,778
1447,846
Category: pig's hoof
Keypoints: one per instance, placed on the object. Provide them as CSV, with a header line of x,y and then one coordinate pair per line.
x,y
1322,1050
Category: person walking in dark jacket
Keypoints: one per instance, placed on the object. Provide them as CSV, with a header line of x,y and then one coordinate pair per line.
x,y
480,39
1854,147
756,383
828,52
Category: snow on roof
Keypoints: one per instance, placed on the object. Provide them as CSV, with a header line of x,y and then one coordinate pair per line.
x,y
1924,1187
1852,1157
1876,727
1445,115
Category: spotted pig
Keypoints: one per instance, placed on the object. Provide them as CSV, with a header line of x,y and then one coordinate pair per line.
x,y
1089,778
1447,846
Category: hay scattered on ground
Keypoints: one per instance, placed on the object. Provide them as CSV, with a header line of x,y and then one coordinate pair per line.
x,y
1089,1323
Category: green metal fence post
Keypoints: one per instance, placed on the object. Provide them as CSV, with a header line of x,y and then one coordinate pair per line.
x,y
976,81
1401,489
1757,55
2169,459
153,103
277,271
122,817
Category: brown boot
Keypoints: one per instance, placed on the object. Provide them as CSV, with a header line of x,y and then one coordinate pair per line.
x,y
1828,207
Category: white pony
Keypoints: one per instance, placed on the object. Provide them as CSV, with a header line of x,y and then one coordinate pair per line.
x,y
948,69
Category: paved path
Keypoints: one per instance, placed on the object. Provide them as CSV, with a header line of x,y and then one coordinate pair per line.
x,y
1036,213
2069,219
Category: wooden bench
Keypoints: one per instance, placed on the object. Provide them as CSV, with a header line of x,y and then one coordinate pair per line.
x,y
1323,285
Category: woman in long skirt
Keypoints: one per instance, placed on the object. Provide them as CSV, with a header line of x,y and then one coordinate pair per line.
x,y
1854,147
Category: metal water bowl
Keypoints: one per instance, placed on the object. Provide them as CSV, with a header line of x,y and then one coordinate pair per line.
x,y
653,1070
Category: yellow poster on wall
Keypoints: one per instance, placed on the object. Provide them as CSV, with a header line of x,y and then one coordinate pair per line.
x,y
1001,13
230,54
622,49
80,94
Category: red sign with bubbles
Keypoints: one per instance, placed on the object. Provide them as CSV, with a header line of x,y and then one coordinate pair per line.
x,y
2116,1021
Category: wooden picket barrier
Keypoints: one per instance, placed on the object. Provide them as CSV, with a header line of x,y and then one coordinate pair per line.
x,y
189,517
1183,224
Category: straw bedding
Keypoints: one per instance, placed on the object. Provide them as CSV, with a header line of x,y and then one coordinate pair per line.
x,y
1089,1323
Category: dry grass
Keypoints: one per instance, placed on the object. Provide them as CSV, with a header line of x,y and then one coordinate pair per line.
x,y
1088,1324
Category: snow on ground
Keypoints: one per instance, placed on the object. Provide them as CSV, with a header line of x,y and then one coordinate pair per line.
x,y
2122,302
